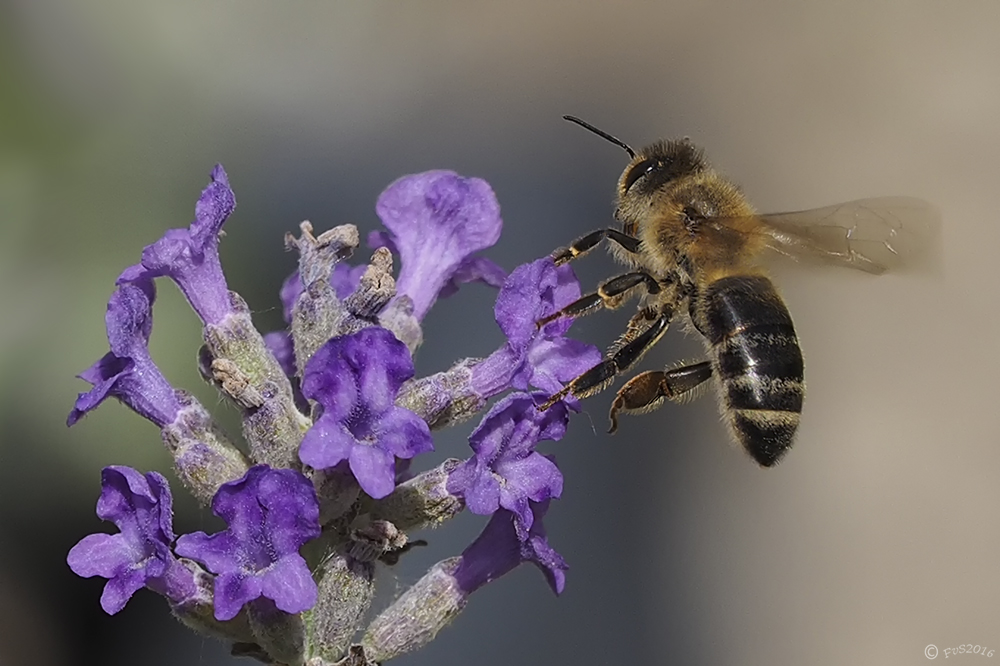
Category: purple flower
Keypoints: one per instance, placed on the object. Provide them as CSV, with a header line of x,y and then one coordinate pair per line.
x,y
127,372
500,548
438,220
139,555
190,257
544,359
506,471
271,513
356,378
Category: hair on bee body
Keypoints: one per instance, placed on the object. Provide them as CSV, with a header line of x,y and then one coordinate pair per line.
x,y
696,250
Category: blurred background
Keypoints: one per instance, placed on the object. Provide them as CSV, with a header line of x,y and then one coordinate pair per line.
x,y
879,533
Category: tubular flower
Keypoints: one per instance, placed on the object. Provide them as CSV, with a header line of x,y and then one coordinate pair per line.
x,y
190,257
506,471
139,555
271,513
542,358
127,372
356,378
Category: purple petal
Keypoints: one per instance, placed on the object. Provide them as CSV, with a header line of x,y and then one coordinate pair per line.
x,y
538,551
555,362
374,469
118,590
377,239
403,433
381,362
326,444
291,510
330,380
345,279
482,494
218,552
438,220
534,477
531,292
290,585
98,555
233,590
290,291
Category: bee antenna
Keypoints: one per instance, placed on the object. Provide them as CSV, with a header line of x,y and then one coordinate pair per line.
x,y
601,133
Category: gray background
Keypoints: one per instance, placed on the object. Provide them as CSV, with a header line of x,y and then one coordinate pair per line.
x,y
877,536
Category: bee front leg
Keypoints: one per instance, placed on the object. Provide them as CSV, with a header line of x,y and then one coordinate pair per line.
x,y
585,244
610,294
647,391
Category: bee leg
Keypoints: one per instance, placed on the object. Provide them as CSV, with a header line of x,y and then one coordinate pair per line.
x,y
647,391
598,377
610,294
585,244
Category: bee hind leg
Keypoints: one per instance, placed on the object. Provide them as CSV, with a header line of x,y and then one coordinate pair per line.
x,y
647,391
602,374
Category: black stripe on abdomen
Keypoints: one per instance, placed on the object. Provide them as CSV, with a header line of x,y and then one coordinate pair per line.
x,y
756,357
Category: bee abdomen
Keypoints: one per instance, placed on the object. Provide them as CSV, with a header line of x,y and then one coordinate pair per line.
x,y
756,358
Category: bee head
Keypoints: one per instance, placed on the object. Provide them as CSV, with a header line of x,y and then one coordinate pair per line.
x,y
657,165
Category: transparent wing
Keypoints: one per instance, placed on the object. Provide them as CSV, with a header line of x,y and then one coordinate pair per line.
x,y
872,235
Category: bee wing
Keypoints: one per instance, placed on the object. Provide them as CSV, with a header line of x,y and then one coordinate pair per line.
x,y
872,235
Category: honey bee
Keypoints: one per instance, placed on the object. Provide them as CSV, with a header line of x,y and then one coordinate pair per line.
x,y
696,249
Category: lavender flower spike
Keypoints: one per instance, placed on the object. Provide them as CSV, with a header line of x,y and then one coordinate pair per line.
x,y
506,471
140,554
271,513
438,220
127,372
190,257
544,358
356,378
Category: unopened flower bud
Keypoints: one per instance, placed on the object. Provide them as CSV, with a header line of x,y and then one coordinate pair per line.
x,y
273,427
445,398
418,615
346,589
280,634
421,502
203,457
316,309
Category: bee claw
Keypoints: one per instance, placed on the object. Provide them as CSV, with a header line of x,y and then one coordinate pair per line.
x,y
613,416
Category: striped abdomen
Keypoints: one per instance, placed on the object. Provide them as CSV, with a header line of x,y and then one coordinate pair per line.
x,y
756,357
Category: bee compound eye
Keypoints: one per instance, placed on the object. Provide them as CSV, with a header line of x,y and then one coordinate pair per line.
x,y
638,171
